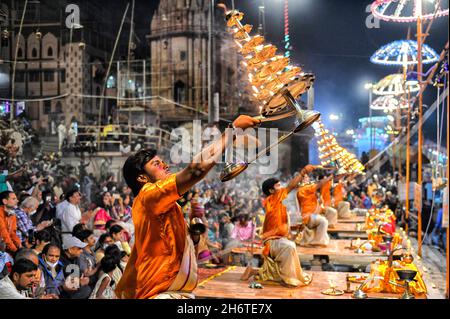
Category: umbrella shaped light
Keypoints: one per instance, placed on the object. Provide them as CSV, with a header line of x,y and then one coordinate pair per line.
x,y
402,53
406,11
389,103
393,84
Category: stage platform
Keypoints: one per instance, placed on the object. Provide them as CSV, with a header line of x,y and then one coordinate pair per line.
x,y
336,247
227,284
353,220
347,228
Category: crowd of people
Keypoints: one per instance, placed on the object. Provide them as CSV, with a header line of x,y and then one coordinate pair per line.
x,y
66,233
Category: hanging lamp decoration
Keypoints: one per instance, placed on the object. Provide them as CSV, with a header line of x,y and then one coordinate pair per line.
x,y
405,10
332,154
270,74
403,53
393,84
389,103
275,83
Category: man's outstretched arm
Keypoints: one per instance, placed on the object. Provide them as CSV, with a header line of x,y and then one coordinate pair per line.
x,y
293,184
203,162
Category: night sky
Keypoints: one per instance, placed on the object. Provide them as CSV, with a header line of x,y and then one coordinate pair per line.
x,y
330,39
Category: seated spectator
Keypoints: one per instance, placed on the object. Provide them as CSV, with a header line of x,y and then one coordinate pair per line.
x,y
52,269
25,226
114,252
69,212
105,286
86,261
38,286
104,211
76,285
103,242
21,279
244,230
8,223
117,233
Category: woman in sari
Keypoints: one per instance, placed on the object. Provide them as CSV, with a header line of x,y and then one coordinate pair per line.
x,y
104,212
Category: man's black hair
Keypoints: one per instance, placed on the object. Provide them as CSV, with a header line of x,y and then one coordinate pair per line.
x,y
134,166
48,246
4,195
269,184
71,192
43,236
23,266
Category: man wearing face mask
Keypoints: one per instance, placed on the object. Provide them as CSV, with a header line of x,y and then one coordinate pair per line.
x,y
24,224
52,269
8,225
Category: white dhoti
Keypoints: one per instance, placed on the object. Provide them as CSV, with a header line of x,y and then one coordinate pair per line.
x,y
186,280
331,215
343,210
316,231
282,264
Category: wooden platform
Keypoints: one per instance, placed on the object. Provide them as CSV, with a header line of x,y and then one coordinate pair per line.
x,y
227,284
347,228
338,247
354,220
355,235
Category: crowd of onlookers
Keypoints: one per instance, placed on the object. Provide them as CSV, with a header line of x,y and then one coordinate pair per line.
x,y
68,233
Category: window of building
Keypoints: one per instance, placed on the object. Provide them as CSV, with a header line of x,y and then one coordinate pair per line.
x,y
182,55
47,107
63,76
58,107
34,53
35,76
50,51
111,83
49,76
180,92
20,53
20,76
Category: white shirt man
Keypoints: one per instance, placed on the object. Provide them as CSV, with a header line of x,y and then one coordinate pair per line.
x,y
68,211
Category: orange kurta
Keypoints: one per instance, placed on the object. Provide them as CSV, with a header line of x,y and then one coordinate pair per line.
x,y
308,201
338,194
276,222
326,193
160,235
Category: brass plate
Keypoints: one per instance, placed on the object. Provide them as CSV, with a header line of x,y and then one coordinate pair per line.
x,y
332,292
297,87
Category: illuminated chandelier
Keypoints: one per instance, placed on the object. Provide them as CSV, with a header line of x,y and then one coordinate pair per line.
x,y
406,10
403,53
392,84
269,73
389,103
331,153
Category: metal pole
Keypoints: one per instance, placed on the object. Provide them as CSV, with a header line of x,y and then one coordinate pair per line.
x,y
370,121
419,160
448,148
210,94
11,110
408,141
399,148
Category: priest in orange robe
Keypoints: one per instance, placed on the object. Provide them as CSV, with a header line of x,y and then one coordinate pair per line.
x,y
163,261
281,262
